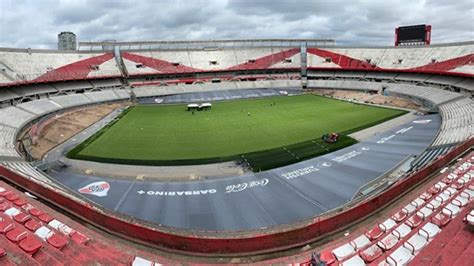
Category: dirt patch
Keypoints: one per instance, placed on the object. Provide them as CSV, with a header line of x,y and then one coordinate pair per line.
x,y
63,126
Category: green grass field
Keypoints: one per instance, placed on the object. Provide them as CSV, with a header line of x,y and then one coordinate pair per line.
x,y
170,133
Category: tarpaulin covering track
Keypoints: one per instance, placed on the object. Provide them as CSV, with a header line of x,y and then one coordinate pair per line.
x,y
280,196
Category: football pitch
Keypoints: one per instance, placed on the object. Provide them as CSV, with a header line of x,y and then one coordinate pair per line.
x,y
157,134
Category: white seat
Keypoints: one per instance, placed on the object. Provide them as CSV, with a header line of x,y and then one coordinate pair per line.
x,y
416,243
460,201
409,209
417,202
443,197
470,217
424,212
451,210
440,185
343,251
452,176
43,232
401,231
429,230
354,261
388,224
360,242
449,191
55,224
11,211
433,204
65,230
401,256
138,261
468,192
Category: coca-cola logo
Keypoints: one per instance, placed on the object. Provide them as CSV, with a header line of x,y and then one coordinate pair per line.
x,y
98,189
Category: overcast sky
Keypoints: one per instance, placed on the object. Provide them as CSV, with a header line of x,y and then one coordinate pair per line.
x,y
36,23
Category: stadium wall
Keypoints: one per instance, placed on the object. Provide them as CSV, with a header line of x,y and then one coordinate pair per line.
x,y
211,243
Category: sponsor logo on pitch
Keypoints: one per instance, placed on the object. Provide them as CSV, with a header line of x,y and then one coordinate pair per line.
x,y
98,189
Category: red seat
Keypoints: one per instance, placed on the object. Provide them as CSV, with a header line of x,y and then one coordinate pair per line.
x,y
5,193
457,185
375,233
399,216
30,244
21,217
45,218
2,200
441,219
414,221
17,234
12,197
4,206
6,225
80,238
426,196
2,252
35,212
20,202
57,241
371,253
433,190
446,180
33,225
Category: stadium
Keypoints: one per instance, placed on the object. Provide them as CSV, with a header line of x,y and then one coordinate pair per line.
x,y
270,151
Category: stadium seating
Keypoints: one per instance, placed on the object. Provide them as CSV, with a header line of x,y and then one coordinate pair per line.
x,y
33,234
139,63
456,59
7,142
399,239
69,80
458,122
27,170
40,107
101,96
14,117
426,94
71,100
40,66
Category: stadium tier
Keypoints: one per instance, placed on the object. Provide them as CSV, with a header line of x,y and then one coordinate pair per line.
x,y
199,61
278,209
26,65
455,59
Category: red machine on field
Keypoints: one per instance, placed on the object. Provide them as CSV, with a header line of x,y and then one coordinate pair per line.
x,y
330,137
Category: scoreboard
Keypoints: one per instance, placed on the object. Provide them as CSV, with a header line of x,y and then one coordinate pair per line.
x,y
413,35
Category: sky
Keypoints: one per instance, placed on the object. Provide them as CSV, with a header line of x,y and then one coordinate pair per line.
x,y
36,23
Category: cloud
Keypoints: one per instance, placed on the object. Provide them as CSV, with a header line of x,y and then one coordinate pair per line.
x,y
36,23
